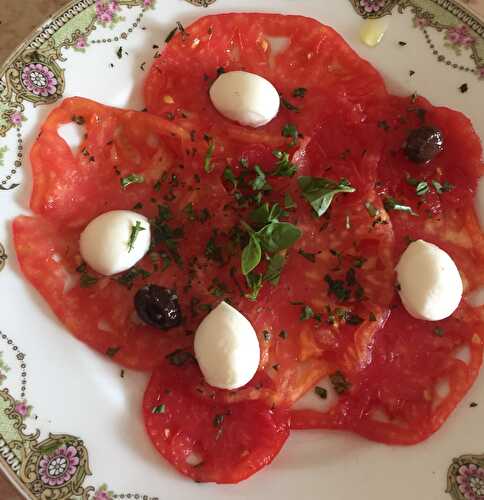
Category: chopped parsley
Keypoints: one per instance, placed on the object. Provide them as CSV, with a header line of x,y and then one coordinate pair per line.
x,y
213,251
112,351
284,167
86,280
260,181
319,192
464,88
289,130
135,230
207,162
254,283
180,357
283,335
218,420
171,34
446,187
439,331
306,313
392,204
339,382
289,106
130,276
189,211
273,273
307,255
321,392
299,92
131,179
79,120
337,288
158,409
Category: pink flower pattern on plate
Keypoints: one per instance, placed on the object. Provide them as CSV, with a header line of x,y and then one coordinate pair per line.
x,y
16,118
471,482
81,43
106,10
59,467
460,36
372,5
39,79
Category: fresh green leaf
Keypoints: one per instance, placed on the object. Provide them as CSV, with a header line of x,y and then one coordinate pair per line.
x,y
189,211
251,255
290,130
319,192
278,236
230,177
284,167
131,179
260,181
265,214
392,204
135,230
254,282
274,269
207,162
289,203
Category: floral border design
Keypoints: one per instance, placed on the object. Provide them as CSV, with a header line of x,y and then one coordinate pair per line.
x,y
3,257
465,478
463,31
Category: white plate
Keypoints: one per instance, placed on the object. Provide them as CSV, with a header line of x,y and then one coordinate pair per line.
x,y
53,383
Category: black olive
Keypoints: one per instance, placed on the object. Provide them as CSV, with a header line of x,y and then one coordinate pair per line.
x,y
424,144
158,307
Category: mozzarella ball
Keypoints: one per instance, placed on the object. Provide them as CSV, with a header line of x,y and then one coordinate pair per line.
x,y
227,348
115,241
245,98
430,283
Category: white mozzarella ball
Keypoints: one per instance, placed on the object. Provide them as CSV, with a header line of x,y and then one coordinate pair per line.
x,y
107,243
245,98
227,348
430,283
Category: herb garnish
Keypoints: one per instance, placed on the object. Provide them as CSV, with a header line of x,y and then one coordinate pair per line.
x,y
135,230
321,392
128,277
207,162
337,288
290,130
307,255
446,187
78,120
171,34
340,384
158,409
392,204
273,273
180,357
283,334
299,92
86,280
284,167
289,203
319,192
371,209
212,250
131,179
439,331
112,351
306,313
289,106
254,282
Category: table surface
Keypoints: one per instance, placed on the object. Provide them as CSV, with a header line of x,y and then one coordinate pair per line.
x,y
17,20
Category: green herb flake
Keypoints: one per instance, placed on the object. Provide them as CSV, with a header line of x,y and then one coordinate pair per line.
x,y
372,316
353,319
230,177
171,34
131,179
307,255
112,351
138,206
392,204
274,269
86,280
289,106
339,382
306,313
267,335
321,392
213,251
119,52
337,288
78,120
135,230
284,167
283,335
180,357
289,130
260,183
299,92
156,410
254,283
446,187
189,211
207,162
439,331
319,192
127,279
289,203
218,420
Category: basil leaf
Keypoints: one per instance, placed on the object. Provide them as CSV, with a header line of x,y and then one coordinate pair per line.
x,y
299,92
254,282
131,179
392,204
284,167
274,269
278,236
289,203
251,255
319,192
266,214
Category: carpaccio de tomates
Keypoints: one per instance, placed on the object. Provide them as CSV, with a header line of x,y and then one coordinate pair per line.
x,y
330,170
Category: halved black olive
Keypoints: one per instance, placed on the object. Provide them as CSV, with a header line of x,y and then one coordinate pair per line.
x,y
424,144
158,307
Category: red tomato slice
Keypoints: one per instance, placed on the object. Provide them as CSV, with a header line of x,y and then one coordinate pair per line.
x,y
204,437
292,52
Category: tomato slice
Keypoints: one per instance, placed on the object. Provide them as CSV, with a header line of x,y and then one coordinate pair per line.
x,y
204,437
292,52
